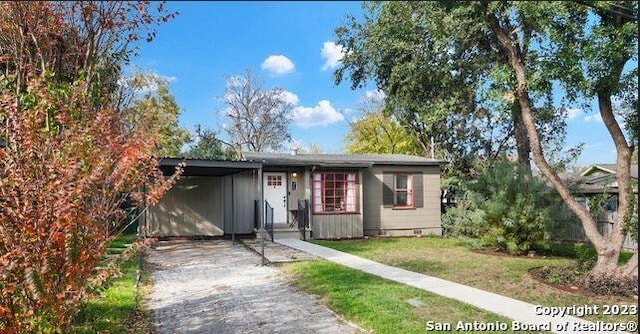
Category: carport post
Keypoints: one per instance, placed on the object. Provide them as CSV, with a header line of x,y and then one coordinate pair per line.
x,y
233,211
261,214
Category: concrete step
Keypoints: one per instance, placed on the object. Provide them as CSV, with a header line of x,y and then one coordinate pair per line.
x,y
287,233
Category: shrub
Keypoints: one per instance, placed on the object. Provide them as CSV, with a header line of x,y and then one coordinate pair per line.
x,y
586,257
561,275
505,207
612,284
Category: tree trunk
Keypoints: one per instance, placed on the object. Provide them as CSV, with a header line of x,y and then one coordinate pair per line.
x,y
608,248
522,140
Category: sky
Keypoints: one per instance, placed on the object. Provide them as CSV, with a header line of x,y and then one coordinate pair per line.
x,y
291,46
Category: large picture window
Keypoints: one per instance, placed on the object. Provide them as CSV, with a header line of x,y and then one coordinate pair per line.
x,y
403,190
334,193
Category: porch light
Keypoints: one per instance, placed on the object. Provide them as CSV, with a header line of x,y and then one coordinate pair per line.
x,y
294,174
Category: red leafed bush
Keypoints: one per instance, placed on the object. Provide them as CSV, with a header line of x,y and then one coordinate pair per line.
x,y
66,168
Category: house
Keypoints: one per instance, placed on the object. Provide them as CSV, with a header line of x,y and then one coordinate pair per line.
x,y
588,185
322,196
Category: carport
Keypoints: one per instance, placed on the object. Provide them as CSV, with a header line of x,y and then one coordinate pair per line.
x,y
211,198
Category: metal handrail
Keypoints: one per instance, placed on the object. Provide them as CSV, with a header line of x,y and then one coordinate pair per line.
x,y
268,221
303,217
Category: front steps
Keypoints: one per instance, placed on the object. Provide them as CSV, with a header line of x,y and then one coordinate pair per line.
x,y
283,231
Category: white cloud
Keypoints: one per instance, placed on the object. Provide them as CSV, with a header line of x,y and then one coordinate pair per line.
x,y
290,98
320,115
332,53
593,118
375,95
278,64
573,113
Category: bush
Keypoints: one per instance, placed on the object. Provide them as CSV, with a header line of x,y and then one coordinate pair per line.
x,y
586,257
612,284
505,207
561,275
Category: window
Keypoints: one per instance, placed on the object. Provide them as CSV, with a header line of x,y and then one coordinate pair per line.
x,y
274,180
403,191
334,193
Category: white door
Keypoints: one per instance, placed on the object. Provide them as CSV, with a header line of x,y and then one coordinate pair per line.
x,y
275,192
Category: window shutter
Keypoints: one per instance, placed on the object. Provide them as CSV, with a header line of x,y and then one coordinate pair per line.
x,y
387,189
418,191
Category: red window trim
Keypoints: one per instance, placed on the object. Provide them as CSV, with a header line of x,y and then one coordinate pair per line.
x,y
410,195
345,187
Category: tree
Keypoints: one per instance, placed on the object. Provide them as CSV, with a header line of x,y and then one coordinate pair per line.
x,y
596,62
208,146
69,159
72,40
152,101
441,81
259,118
375,132
523,46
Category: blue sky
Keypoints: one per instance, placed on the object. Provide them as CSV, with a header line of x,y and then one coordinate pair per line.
x,y
209,40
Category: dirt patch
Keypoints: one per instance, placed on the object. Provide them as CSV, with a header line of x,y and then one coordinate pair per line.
x,y
539,275
496,252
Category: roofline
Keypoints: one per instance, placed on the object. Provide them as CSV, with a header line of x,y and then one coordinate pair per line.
x,y
590,168
362,164
171,162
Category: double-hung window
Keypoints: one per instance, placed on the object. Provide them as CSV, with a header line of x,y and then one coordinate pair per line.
x,y
403,190
334,192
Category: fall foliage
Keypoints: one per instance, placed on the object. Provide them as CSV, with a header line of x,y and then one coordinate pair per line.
x,y
70,159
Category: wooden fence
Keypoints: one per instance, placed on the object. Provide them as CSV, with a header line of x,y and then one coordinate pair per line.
x,y
567,228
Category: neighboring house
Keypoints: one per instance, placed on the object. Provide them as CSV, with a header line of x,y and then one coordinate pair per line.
x,y
590,183
331,196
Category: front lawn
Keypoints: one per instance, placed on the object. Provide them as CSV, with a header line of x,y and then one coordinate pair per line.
x,y
450,259
379,304
118,309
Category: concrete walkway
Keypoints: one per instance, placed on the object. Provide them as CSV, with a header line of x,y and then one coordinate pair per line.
x,y
513,309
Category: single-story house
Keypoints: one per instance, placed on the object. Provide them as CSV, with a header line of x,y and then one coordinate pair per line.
x,y
587,184
320,196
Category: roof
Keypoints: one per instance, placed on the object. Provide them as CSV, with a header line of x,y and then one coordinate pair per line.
x,y
206,167
339,160
597,178
608,168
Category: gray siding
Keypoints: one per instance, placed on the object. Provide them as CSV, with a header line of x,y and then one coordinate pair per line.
x,y
192,207
245,192
337,226
379,220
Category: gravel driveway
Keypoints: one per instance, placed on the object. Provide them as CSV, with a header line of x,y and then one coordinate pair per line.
x,y
216,287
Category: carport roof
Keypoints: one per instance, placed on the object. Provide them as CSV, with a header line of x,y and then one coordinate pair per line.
x,y
204,167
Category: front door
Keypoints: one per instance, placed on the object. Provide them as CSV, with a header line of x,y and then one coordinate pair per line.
x,y
275,193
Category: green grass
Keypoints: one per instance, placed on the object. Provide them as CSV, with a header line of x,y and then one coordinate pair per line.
x,y
122,240
450,259
118,309
379,304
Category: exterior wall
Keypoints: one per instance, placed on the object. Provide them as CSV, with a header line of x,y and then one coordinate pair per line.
x,y
342,226
336,226
192,207
245,192
379,220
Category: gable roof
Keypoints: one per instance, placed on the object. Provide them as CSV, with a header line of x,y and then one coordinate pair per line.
x,y
608,168
339,160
